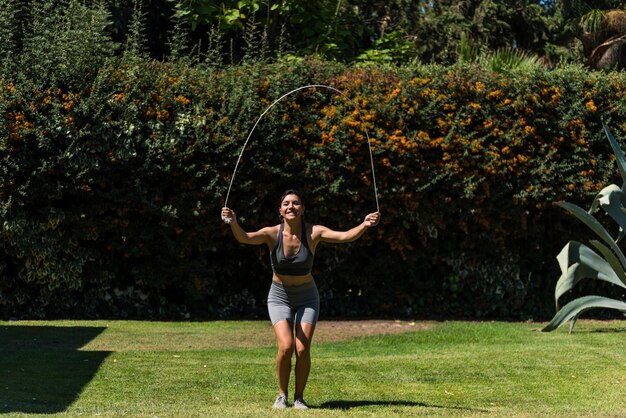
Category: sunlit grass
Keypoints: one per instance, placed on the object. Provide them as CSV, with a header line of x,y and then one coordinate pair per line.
x,y
222,369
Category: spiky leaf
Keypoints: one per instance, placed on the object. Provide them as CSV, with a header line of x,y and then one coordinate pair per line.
x,y
578,306
611,258
596,227
586,264
612,199
619,154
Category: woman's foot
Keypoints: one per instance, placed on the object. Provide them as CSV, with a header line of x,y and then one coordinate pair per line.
x,y
299,403
281,401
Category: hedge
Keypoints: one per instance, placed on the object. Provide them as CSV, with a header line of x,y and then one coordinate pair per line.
x,y
111,190
113,169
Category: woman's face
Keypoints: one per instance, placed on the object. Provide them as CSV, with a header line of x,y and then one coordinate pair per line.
x,y
291,207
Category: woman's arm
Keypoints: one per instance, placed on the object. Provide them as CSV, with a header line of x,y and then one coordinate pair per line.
x,y
328,235
262,236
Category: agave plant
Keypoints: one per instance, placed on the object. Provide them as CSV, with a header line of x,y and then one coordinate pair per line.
x,y
579,261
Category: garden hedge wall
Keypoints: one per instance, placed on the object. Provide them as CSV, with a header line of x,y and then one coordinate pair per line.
x,y
112,179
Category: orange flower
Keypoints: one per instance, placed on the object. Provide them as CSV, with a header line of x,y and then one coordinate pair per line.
x,y
591,106
163,115
182,100
494,94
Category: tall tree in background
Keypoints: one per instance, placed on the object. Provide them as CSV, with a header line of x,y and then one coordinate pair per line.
x,y
344,29
157,22
604,38
600,28
395,31
315,26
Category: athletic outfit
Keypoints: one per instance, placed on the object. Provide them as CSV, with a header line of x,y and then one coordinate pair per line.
x,y
299,303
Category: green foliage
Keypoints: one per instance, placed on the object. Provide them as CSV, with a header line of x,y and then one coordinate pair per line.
x,y
229,14
578,262
64,45
8,35
593,21
313,27
397,31
501,60
392,47
512,59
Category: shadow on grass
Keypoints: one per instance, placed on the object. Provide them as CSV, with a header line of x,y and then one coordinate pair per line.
x,y
346,405
599,330
42,369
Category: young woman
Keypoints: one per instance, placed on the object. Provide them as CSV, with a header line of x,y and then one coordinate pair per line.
x,y
293,301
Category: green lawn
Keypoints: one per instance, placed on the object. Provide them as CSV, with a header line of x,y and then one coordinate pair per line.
x,y
223,369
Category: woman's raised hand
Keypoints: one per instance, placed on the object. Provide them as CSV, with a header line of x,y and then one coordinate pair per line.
x,y
228,215
372,219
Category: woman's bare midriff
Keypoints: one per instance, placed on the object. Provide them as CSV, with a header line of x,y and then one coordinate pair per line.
x,y
287,280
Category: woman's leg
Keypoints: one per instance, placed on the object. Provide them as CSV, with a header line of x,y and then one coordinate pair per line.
x,y
304,335
284,337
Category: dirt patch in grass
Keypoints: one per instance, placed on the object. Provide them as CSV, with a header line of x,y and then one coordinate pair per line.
x,y
325,332
132,336
329,331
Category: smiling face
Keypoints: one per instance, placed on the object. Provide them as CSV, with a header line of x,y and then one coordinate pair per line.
x,y
291,206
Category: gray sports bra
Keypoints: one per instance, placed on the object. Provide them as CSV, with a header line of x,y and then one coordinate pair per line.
x,y
299,264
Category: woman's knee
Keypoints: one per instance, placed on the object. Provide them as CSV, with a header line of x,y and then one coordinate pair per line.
x,y
284,338
286,347
285,351
302,349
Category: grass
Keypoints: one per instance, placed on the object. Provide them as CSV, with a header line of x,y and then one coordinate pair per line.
x,y
225,369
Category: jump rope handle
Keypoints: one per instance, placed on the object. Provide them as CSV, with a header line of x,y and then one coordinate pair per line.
x,y
227,219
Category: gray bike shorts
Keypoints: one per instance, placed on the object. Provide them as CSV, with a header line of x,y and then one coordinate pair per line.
x,y
294,303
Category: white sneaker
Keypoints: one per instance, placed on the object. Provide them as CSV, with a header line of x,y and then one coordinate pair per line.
x,y
281,401
300,404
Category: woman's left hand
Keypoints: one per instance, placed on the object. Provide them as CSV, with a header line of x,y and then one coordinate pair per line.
x,y
372,219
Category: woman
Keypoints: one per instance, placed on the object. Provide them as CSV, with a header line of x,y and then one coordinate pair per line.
x,y
293,300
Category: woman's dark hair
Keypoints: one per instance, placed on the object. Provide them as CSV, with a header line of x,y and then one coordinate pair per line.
x,y
292,191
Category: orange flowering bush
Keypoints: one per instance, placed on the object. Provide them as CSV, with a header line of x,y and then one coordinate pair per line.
x,y
110,190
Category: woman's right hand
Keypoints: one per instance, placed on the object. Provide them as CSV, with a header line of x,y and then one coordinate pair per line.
x,y
228,215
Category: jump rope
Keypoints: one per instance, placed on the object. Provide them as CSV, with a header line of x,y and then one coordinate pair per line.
x,y
309,86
